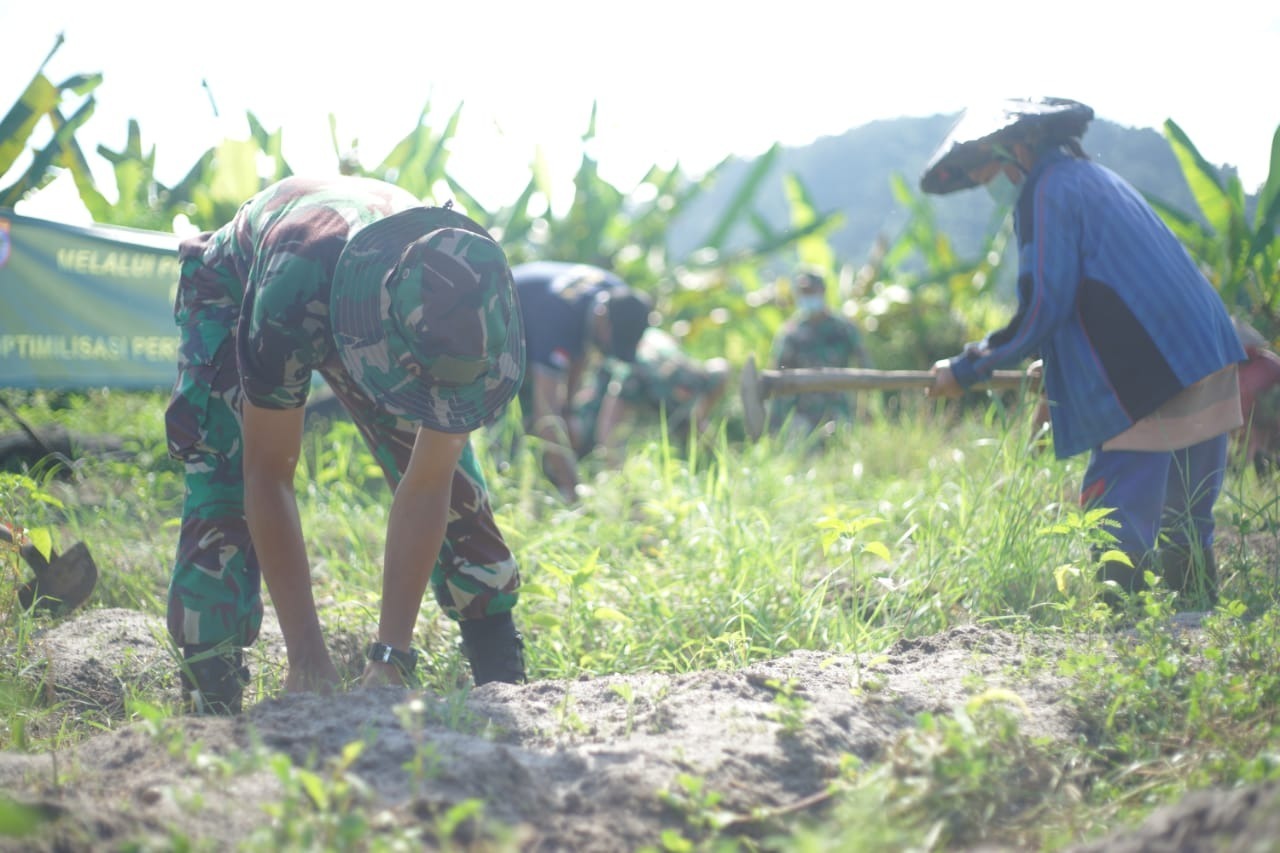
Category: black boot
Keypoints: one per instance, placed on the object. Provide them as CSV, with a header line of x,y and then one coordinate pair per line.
x,y
213,679
494,649
1195,580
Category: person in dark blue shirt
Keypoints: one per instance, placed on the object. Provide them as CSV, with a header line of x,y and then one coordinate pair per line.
x,y
1140,358
569,310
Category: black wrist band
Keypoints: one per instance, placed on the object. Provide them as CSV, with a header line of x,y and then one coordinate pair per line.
x,y
406,662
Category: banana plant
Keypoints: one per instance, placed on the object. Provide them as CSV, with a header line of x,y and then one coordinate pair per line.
x,y
417,163
213,187
43,100
227,174
1241,256
209,193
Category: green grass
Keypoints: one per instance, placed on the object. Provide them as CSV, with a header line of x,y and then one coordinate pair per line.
x,y
715,557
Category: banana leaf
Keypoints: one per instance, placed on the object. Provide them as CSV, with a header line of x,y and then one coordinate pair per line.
x,y
472,205
134,171
417,162
596,204
235,174
813,250
220,181
35,102
271,143
514,221
920,235
74,161
1267,216
39,172
742,200
651,219
1215,203
779,241
182,194
38,100
1185,227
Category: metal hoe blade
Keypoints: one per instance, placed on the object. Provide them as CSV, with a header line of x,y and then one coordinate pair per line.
x,y
62,583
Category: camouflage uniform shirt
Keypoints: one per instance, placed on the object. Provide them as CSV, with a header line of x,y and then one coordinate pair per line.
x,y
268,275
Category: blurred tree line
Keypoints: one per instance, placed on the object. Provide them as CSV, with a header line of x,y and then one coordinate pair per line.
x,y
723,290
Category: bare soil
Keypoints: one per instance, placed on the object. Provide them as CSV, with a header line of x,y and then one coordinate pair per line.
x,y
559,765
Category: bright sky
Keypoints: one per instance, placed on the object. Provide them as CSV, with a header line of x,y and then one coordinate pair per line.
x,y
686,80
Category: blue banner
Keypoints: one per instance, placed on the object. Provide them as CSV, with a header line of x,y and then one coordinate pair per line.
x,y
86,307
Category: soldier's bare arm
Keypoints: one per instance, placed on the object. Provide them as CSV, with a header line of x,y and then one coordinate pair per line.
x,y
272,443
415,530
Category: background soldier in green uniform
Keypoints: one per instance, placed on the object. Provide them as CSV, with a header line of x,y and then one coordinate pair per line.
x,y
814,337
409,313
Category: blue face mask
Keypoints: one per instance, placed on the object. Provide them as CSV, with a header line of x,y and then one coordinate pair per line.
x,y
1003,191
811,303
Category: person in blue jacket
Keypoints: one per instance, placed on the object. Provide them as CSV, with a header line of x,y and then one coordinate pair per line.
x,y
1139,354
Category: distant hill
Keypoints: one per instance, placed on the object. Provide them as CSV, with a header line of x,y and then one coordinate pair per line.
x,y
850,173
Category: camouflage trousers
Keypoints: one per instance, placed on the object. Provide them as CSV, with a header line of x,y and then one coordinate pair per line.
x,y
215,589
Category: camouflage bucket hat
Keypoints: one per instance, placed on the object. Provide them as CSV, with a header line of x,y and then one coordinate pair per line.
x,y
426,320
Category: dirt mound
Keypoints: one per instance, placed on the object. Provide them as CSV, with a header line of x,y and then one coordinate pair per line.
x,y
1246,820
582,765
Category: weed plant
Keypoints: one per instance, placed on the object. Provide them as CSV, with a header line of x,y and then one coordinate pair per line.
x,y
723,553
